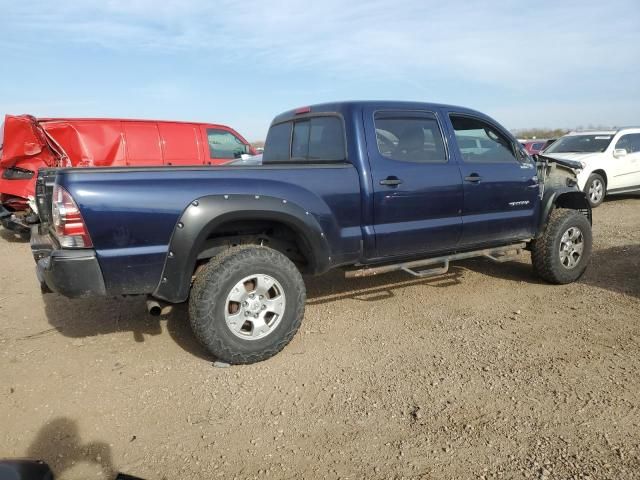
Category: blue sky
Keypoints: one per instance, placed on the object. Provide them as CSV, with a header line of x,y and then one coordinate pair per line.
x,y
528,64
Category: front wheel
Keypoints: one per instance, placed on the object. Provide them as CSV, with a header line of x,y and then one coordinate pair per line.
x,y
596,189
563,251
247,304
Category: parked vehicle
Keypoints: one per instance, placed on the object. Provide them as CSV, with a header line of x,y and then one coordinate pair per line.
x,y
369,187
31,144
534,147
610,160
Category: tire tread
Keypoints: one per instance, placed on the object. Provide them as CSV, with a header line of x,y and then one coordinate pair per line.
x,y
543,258
211,279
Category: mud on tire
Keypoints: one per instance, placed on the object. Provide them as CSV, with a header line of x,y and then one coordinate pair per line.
x,y
562,253
219,305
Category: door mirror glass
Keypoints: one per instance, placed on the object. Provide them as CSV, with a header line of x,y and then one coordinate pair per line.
x,y
620,152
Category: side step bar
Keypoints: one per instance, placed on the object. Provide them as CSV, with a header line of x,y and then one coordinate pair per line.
x,y
498,254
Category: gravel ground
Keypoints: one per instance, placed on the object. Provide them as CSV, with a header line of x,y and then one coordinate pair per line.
x,y
485,372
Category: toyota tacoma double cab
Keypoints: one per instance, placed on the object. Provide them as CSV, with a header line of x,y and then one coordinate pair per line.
x,y
367,187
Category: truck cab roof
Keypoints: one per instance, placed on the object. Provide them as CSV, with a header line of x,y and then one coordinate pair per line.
x,y
352,106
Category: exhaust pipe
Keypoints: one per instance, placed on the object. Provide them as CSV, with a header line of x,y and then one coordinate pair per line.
x,y
155,308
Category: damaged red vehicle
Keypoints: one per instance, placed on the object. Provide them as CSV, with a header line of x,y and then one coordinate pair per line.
x,y
28,144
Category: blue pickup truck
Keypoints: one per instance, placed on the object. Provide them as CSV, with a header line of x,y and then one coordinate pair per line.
x,y
368,187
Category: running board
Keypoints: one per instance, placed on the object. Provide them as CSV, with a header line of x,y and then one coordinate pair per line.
x,y
499,255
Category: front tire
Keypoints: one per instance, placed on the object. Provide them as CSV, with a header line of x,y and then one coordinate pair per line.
x,y
562,253
596,189
247,304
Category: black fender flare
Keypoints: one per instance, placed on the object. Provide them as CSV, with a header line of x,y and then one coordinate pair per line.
x,y
203,215
565,197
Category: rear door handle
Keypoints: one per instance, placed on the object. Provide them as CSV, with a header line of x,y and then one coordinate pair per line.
x,y
473,178
391,181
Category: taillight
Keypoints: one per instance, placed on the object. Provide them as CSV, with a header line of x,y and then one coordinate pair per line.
x,y
67,221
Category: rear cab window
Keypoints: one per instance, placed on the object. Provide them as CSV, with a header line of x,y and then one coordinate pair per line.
x,y
318,139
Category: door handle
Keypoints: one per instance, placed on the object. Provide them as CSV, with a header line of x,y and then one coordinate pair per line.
x,y
473,178
391,181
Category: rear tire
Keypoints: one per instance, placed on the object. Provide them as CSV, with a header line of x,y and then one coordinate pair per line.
x,y
562,253
596,189
247,304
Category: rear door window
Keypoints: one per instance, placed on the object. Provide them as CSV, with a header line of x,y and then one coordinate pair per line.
x,y
224,144
410,137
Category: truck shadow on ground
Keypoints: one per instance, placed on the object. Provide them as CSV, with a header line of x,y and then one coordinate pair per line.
x,y
58,444
615,269
90,317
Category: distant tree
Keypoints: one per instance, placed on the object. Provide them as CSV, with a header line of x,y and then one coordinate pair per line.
x,y
545,133
258,144
537,133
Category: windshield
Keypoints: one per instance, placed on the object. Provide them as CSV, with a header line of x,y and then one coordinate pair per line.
x,y
581,144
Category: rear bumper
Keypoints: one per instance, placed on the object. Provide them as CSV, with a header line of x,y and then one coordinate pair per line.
x,y
72,273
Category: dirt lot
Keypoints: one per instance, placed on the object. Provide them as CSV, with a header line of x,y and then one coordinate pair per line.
x,y
485,372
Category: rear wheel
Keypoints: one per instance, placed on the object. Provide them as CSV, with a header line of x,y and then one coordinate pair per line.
x,y
247,304
563,251
596,189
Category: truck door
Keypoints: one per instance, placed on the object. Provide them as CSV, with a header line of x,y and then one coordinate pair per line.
x,y
500,184
417,200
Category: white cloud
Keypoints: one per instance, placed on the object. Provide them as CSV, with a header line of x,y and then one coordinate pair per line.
x,y
497,43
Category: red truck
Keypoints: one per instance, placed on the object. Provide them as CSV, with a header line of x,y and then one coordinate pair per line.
x,y
28,144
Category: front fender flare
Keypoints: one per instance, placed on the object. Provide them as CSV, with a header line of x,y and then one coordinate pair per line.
x,y
565,197
205,214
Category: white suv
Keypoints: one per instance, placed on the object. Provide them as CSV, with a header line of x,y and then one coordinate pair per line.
x,y
611,160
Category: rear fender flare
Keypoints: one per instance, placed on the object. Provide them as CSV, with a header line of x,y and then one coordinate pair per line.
x,y
562,198
203,215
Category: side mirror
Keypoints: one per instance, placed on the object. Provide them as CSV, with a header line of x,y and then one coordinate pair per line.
x,y
620,152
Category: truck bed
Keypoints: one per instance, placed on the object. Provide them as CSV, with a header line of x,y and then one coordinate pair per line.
x,y
137,209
